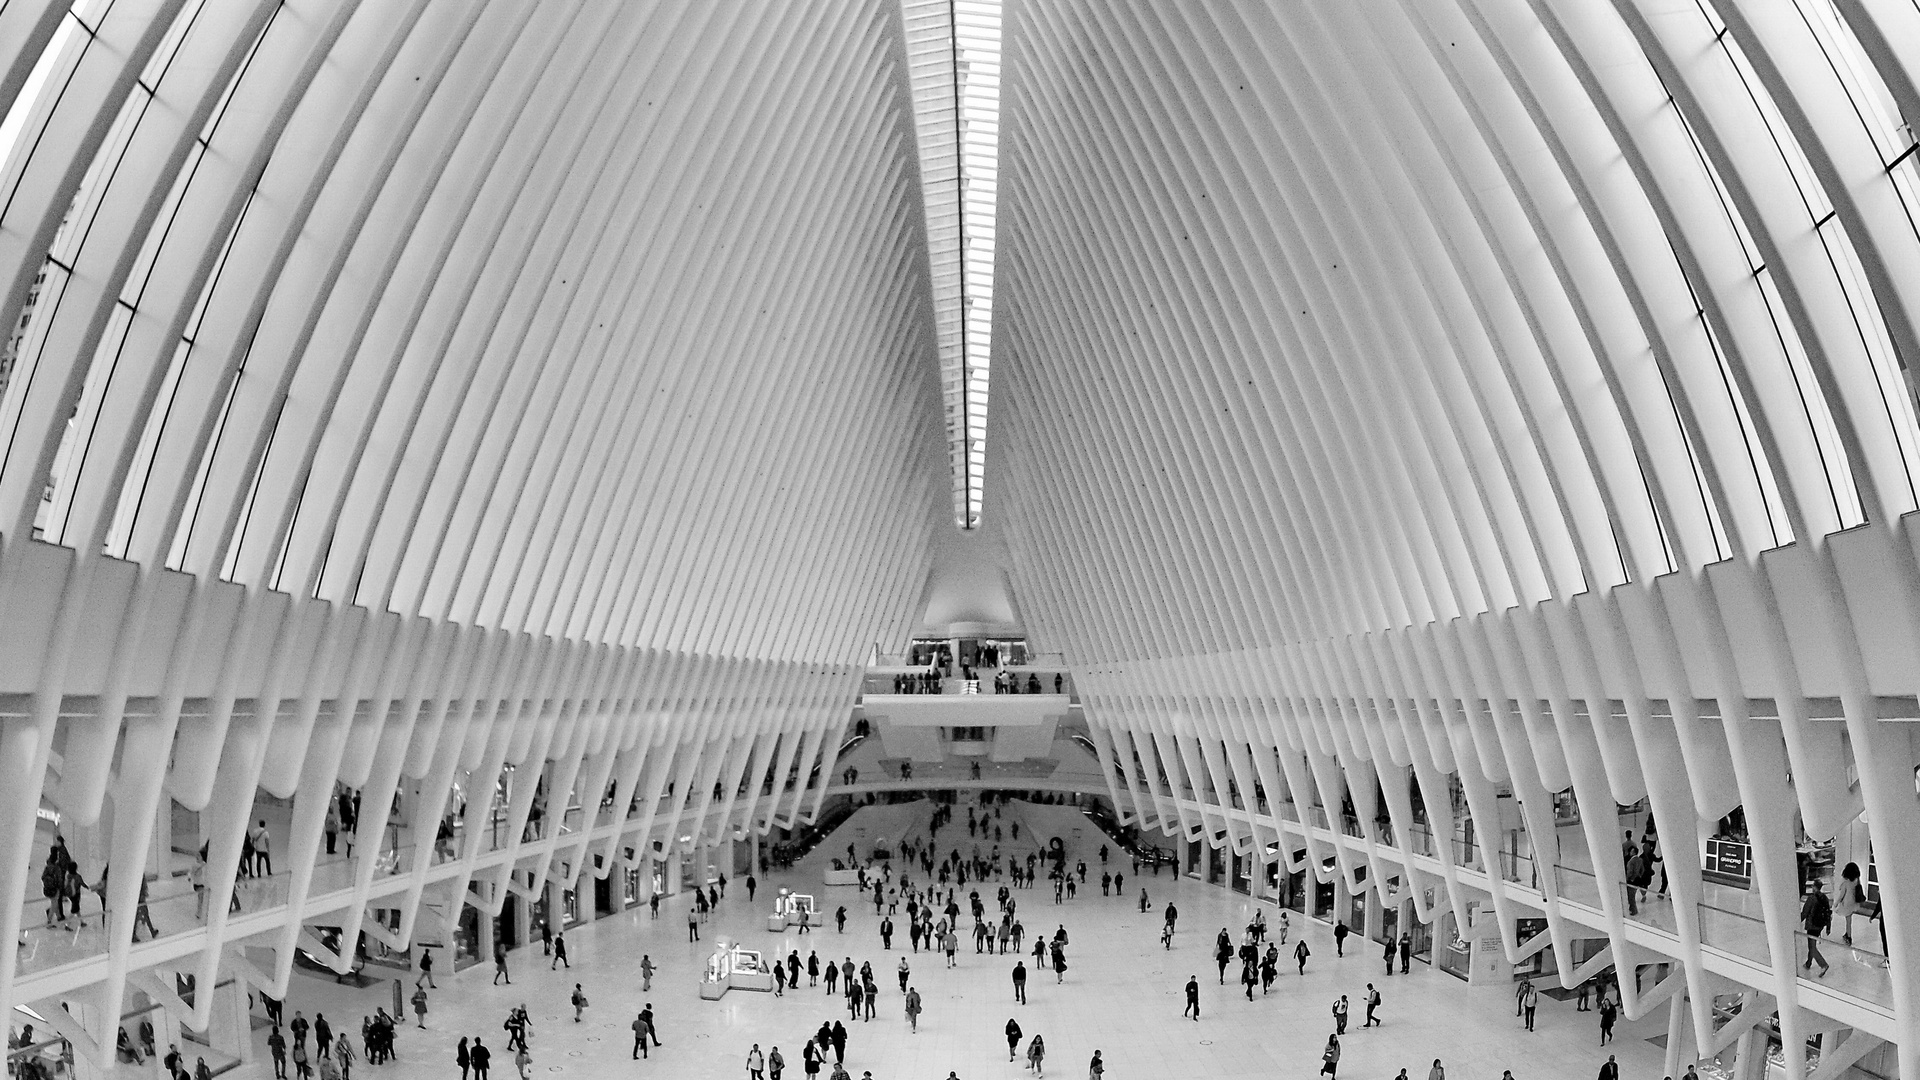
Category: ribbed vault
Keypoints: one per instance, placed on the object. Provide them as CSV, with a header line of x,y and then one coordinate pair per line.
x,y
1410,403
1496,397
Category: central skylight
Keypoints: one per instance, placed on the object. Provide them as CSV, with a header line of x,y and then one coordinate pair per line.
x,y
953,54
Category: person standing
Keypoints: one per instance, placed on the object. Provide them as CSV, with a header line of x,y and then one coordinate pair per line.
x,y
1406,952
756,1064
332,824
693,923
653,906
262,858
1193,998
1340,1015
1388,956
1373,1004
1300,954
1173,913
913,1011
640,1033
500,965
1438,1072
1020,982
299,1029
1013,1038
1529,1002
810,1058
419,1000
839,1043
322,1036
579,1000
481,1058
1096,1068
462,1058
1340,933
1330,1057
522,1061
646,973
343,1053
560,952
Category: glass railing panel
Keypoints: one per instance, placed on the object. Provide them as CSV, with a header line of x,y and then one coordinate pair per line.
x,y
1577,885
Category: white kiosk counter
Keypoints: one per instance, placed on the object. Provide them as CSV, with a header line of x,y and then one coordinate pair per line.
x,y
734,968
793,909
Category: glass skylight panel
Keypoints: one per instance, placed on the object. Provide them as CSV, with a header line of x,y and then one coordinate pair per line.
x,y
953,57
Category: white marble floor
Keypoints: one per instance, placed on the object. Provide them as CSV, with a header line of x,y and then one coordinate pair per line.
x,y
1122,995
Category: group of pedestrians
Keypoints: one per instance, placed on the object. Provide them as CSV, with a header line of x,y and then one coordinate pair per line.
x,y
333,1055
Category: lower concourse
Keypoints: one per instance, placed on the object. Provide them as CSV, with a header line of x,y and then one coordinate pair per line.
x,y
1122,994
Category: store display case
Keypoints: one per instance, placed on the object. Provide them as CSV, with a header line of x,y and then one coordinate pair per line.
x,y
789,909
732,967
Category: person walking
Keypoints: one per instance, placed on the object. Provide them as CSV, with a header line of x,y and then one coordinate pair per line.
x,y
1340,1015
426,968
646,973
1530,1002
522,1061
839,1043
1222,952
1330,1057
1193,998
277,1047
481,1057
913,1011
1340,933
1816,916
579,1000
343,1053
1373,1005
775,1063
904,972
810,1058
1096,1068
1607,1014
1610,1070
500,965
1037,1055
646,1014
1013,1038
640,1032
756,1064
1300,954
462,1058
560,952
1438,1072
1020,982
